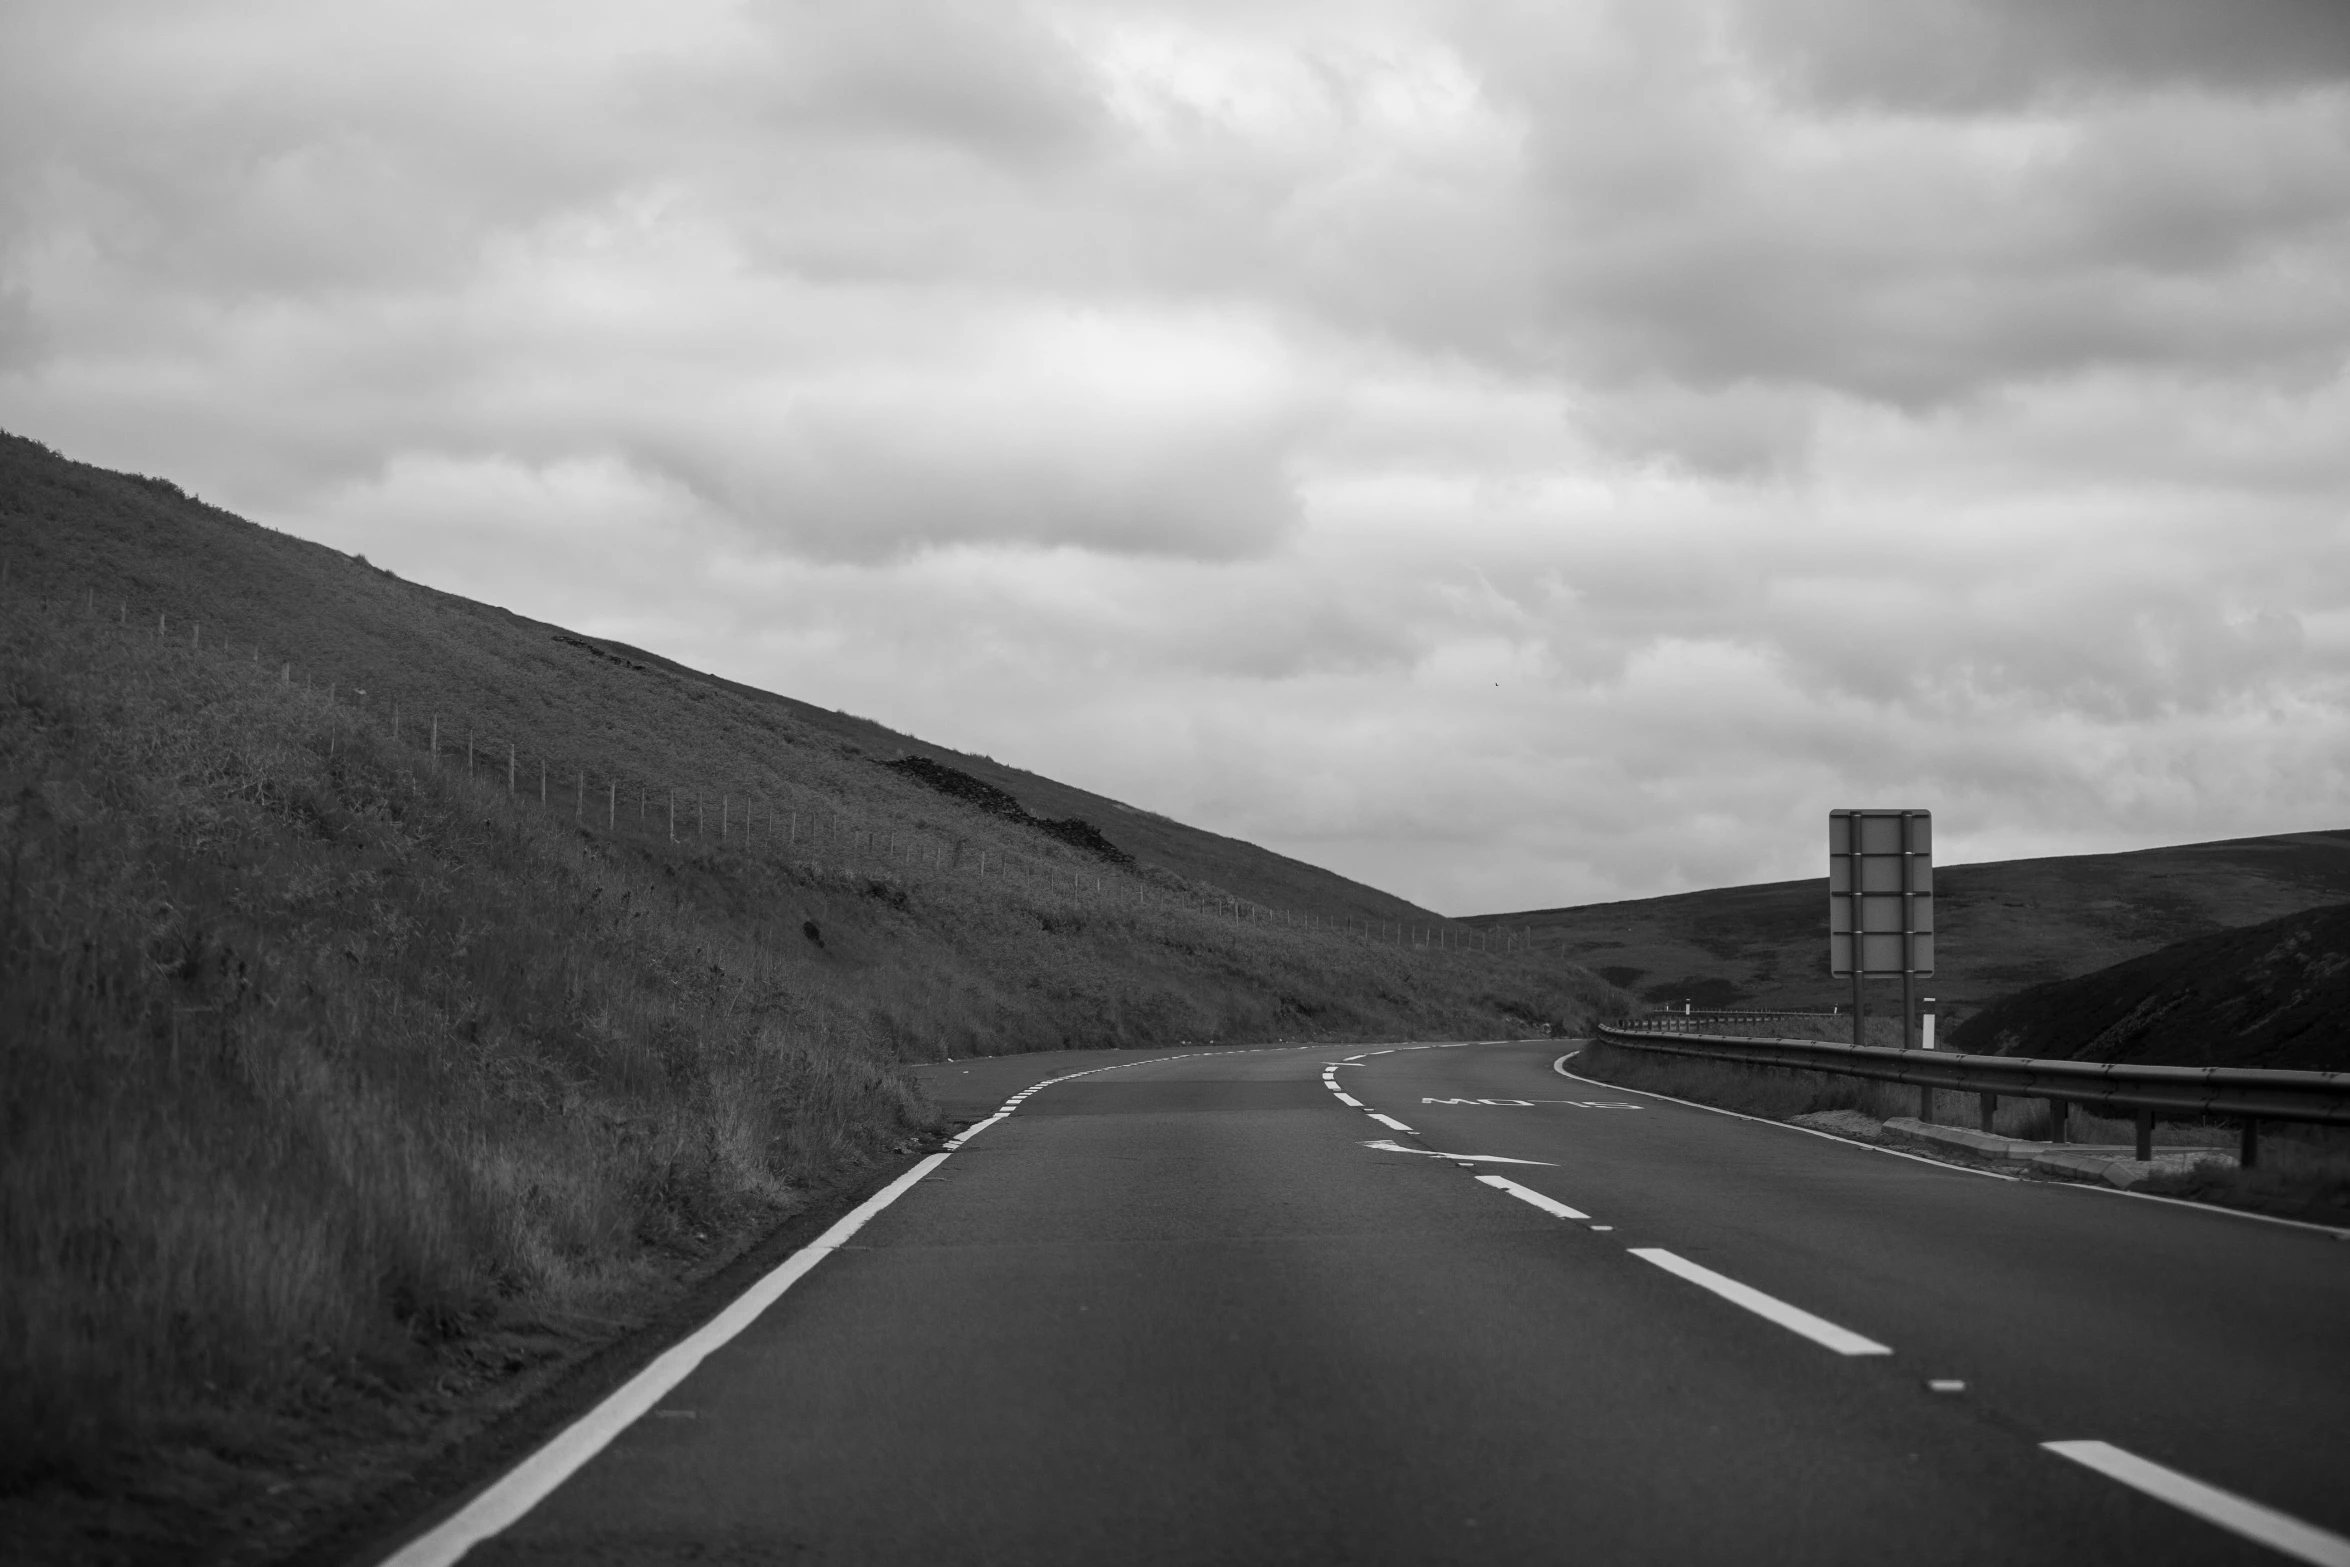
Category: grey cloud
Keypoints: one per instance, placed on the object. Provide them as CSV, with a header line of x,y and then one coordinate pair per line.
x,y
1963,55
1575,477
977,77
1683,249
867,494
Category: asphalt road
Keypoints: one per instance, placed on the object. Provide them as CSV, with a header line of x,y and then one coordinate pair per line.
x,y
1188,1311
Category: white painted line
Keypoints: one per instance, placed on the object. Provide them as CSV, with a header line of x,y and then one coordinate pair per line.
x,y
1527,1194
1349,1099
2278,1531
528,1483
1389,1145
1793,1318
1389,1121
2207,1207
1560,1067
973,1130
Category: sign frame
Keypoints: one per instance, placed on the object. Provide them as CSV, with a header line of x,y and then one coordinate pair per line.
x,y
1881,904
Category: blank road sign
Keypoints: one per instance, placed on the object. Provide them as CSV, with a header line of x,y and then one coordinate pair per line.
x,y
1881,883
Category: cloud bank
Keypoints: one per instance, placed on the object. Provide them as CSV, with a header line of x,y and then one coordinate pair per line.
x,y
1516,454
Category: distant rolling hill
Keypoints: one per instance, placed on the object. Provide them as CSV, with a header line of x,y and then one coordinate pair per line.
x,y
2002,926
2273,995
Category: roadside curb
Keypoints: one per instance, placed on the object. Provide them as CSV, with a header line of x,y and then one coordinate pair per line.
x,y
2115,1164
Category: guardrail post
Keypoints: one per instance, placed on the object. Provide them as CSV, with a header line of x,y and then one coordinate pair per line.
x,y
2057,1110
1926,1105
2145,1135
1988,1104
2248,1155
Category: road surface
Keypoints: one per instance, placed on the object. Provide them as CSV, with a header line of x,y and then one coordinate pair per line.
x,y
1447,1304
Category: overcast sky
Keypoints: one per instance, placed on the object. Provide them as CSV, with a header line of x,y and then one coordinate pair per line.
x,y
1514,454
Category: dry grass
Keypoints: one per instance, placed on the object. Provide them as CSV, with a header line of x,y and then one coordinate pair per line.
x,y
1782,1093
313,1060
2304,1173
321,1060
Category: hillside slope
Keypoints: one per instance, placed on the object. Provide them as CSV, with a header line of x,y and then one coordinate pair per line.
x,y
2001,925
138,547
2273,995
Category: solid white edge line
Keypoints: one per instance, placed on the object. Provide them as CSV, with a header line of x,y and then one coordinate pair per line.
x,y
1794,1319
2205,1207
528,1483
1560,1067
2278,1531
971,1131
1549,1205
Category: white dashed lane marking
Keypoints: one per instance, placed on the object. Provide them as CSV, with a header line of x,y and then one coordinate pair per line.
x,y
1770,1308
2223,1509
1527,1194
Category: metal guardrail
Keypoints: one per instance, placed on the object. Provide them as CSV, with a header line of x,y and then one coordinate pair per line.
x,y
2241,1094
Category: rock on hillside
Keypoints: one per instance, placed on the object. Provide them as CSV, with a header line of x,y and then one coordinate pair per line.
x,y
2271,995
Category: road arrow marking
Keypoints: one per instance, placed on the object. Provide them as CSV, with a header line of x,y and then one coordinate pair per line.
x,y
1391,1146
1580,1104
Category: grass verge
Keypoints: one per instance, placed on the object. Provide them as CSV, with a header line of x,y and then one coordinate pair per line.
x,y
2304,1171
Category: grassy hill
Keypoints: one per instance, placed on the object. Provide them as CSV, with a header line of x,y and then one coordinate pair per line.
x,y
2001,926
139,547
2275,995
353,1085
